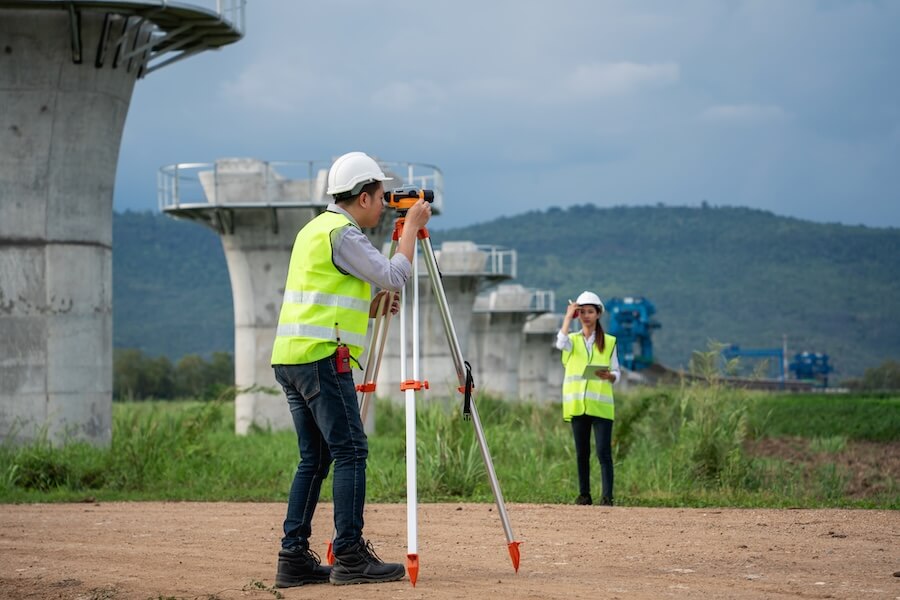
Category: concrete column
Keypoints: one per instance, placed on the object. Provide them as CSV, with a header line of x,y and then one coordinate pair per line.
x,y
540,367
257,266
556,372
498,330
480,333
67,71
463,268
60,128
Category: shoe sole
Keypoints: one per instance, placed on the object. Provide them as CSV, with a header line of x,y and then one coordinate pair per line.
x,y
361,578
289,583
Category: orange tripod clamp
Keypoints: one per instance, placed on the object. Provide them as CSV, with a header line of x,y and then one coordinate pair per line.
x,y
413,384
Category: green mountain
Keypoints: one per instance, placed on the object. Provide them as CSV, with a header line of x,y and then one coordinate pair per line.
x,y
731,275
171,292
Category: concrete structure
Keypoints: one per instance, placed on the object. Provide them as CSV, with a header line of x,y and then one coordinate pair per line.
x,y
540,366
67,70
498,335
257,208
465,269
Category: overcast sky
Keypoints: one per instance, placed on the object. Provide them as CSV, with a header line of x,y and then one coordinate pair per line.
x,y
791,106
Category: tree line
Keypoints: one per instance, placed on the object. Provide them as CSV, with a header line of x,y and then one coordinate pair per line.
x,y
883,378
137,376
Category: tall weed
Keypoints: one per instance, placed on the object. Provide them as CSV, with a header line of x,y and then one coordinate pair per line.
x,y
672,446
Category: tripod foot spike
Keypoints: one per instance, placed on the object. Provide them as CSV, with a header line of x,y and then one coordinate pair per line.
x,y
412,567
329,554
514,554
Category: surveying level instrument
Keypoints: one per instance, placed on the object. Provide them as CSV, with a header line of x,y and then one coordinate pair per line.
x,y
402,199
410,386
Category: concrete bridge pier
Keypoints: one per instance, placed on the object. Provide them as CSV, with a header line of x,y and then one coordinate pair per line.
x,y
497,329
540,368
67,71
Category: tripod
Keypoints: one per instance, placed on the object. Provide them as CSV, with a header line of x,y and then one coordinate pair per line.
x,y
413,384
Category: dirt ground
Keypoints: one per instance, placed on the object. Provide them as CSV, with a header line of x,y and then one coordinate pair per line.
x,y
871,468
112,551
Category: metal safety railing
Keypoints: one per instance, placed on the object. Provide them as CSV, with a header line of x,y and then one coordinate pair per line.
x,y
145,34
233,11
500,261
256,183
543,300
179,36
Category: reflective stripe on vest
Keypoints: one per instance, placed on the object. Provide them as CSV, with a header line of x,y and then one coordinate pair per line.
x,y
298,297
582,396
317,295
289,330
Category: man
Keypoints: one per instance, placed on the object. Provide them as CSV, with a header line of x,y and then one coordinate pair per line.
x,y
324,317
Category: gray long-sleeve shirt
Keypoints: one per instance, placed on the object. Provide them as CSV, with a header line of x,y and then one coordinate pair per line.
x,y
355,254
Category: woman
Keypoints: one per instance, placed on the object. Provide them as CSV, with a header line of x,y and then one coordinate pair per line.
x,y
592,367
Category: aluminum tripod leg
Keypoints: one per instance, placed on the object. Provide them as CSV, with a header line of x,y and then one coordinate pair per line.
x,y
376,351
459,363
409,387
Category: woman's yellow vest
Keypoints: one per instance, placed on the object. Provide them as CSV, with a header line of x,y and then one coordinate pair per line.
x,y
317,295
587,396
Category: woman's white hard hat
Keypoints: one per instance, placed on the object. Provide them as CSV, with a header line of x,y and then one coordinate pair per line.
x,y
590,298
350,172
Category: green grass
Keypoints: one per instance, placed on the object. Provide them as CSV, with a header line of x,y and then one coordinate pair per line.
x,y
874,418
682,446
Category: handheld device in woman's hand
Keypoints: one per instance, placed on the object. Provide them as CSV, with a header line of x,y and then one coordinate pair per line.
x,y
595,371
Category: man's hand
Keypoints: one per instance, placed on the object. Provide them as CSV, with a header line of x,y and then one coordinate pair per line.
x,y
391,302
415,219
418,214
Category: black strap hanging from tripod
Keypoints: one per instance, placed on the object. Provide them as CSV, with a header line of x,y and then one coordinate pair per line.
x,y
467,401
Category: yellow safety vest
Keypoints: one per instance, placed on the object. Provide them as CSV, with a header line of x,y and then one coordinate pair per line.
x,y
316,296
583,396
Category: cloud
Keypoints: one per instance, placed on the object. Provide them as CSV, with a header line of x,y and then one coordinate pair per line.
x,y
603,84
608,79
404,96
279,86
743,113
491,87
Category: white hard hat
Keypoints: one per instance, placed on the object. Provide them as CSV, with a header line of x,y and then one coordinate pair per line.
x,y
590,298
351,172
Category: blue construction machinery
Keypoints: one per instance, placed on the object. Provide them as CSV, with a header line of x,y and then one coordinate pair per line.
x,y
734,351
811,366
630,321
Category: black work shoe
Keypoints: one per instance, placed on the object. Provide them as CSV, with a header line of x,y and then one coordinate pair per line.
x,y
606,501
584,500
360,564
297,566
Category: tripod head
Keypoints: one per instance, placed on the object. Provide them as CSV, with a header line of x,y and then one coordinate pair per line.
x,y
402,199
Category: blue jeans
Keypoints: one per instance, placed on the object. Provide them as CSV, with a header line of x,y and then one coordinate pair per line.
x,y
326,417
581,429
